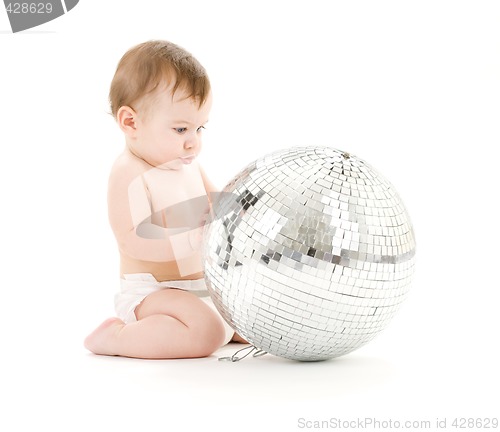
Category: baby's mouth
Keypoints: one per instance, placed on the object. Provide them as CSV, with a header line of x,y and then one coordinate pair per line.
x,y
188,159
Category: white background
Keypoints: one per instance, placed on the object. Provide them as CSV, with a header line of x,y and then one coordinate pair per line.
x,y
411,87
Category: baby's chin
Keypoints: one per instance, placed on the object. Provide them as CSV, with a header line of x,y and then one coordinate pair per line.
x,y
175,164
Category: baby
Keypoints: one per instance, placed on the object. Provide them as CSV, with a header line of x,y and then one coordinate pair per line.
x,y
158,199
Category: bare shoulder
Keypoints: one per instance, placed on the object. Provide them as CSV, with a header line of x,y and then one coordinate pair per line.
x,y
126,166
124,171
124,178
125,188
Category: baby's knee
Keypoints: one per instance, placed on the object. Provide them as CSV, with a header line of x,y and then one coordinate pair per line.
x,y
209,336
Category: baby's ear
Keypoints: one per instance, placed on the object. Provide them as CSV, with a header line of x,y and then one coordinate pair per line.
x,y
126,118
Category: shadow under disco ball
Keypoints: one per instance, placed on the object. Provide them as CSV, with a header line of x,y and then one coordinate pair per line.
x,y
309,254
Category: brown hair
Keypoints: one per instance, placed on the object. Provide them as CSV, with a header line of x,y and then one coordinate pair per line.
x,y
144,67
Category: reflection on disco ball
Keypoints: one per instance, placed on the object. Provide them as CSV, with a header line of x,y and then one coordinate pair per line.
x,y
309,254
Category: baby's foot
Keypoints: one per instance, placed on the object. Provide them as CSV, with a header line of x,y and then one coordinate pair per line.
x,y
100,340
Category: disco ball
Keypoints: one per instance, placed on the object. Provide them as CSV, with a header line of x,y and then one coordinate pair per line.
x,y
309,253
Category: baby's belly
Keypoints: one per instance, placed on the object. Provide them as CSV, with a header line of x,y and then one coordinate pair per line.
x,y
162,271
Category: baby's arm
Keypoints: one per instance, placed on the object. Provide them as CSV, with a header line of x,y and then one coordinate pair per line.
x,y
209,186
211,190
130,218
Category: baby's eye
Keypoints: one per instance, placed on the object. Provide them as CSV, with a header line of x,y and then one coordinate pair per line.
x,y
180,130
200,128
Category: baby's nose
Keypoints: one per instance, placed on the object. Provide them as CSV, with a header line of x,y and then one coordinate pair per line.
x,y
191,142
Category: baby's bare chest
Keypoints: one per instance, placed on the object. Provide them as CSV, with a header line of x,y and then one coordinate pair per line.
x,y
169,188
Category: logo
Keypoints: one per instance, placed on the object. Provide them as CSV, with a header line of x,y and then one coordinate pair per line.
x,y
26,15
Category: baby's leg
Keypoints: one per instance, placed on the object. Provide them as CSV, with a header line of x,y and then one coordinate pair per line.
x,y
170,324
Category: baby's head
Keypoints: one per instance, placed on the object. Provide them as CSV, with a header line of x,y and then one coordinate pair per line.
x,y
153,64
160,96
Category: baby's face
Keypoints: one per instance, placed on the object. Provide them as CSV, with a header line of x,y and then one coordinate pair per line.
x,y
169,135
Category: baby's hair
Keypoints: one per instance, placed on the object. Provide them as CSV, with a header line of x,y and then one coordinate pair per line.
x,y
148,65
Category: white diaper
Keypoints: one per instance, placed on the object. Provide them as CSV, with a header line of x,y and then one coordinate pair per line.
x,y
134,288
